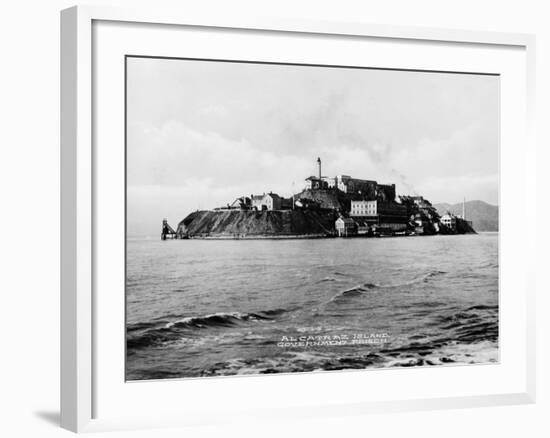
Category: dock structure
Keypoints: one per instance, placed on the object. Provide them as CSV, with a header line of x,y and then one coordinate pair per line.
x,y
167,231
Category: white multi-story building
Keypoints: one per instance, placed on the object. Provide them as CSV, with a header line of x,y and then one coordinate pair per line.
x,y
364,208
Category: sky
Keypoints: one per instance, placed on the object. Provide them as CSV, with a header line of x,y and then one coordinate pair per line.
x,y
202,133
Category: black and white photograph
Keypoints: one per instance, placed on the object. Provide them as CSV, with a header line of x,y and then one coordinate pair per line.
x,y
275,219
287,218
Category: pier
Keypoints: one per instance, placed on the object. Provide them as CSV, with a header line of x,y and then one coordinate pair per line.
x,y
167,231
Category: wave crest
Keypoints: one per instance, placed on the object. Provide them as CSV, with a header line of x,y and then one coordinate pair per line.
x,y
365,287
147,334
220,319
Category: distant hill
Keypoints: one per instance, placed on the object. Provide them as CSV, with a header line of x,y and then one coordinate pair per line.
x,y
483,215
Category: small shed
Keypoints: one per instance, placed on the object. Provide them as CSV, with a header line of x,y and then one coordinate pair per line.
x,y
345,227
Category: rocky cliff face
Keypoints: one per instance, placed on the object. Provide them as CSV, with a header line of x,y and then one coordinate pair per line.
x,y
246,223
327,199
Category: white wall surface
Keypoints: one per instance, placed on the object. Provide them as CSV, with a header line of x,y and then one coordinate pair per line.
x,y
29,215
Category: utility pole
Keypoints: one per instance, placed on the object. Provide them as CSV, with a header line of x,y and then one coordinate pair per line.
x,y
464,208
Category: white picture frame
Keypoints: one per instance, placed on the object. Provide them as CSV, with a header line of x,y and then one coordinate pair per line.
x,y
80,368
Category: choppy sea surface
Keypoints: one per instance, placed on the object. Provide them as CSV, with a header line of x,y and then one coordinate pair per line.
x,y
209,307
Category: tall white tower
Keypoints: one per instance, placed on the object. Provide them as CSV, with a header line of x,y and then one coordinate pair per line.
x,y
319,166
464,208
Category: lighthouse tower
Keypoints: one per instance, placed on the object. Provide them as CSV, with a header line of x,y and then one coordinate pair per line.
x,y
319,166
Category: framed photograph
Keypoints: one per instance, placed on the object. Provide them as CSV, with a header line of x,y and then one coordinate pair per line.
x,y
275,207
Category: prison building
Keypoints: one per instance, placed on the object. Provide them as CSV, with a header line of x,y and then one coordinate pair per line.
x,y
375,212
385,192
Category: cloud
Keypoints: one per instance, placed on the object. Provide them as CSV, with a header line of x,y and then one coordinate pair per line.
x,y
453,189
176,155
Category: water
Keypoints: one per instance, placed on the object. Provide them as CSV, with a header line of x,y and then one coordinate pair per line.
x,y
209,307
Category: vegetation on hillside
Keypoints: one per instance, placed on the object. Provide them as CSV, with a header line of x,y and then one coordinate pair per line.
x,y
241,223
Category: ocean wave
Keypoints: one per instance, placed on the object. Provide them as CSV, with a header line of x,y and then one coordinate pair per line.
x,y
146,334
366,287
357,290
341,274
414,355
471,325
221,319
483,307
290,363
465,336
139,326
151,337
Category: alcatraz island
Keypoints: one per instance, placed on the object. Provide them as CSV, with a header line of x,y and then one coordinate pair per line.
x,y
328,206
